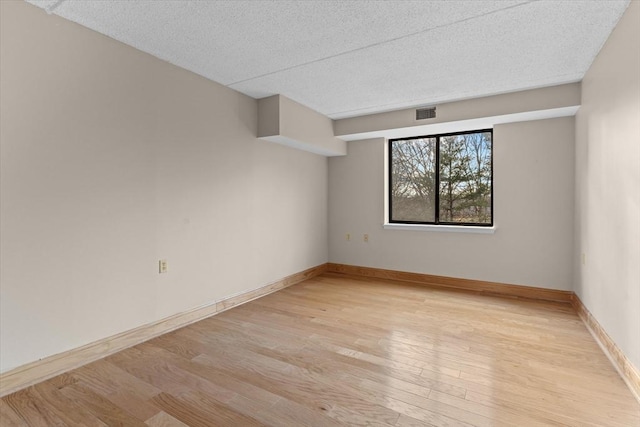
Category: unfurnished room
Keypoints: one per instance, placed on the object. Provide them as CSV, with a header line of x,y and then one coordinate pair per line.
x,y
320,213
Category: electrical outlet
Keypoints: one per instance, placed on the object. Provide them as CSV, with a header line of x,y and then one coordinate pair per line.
x,y
584,258
348,237
366,238
162,266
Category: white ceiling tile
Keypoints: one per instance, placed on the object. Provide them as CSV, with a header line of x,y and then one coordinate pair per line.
x,y
346,58
502,52
231,41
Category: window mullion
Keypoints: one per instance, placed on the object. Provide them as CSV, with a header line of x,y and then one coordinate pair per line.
x,y
436,208
390,181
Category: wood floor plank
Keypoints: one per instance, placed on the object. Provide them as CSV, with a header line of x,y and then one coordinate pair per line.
x,y
227,387
359,359
420,417
70,412
305,387
61,381
334,351
101,407
9,417
196,408
162,419
27,406
505,417
119,387
148,364
283,413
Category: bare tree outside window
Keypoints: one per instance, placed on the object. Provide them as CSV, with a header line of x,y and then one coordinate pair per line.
x,y
442,179
414,179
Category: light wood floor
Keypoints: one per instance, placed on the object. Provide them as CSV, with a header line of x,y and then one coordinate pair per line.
x,y
341,351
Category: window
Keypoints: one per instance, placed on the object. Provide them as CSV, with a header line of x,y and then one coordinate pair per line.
x,y
442,179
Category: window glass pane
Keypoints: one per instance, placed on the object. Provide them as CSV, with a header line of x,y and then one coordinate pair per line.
x,y
413,180
465,178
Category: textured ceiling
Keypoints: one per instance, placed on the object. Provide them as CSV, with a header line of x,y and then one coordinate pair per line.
x,y
348,58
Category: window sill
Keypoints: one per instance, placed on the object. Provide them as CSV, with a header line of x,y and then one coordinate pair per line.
x,y
441,228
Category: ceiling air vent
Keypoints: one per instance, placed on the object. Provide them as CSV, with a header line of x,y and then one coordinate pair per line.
x,y
425,113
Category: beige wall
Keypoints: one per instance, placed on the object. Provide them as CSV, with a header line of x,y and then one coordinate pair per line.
x,y
552,98
608,187
284,121
533,204
112,159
